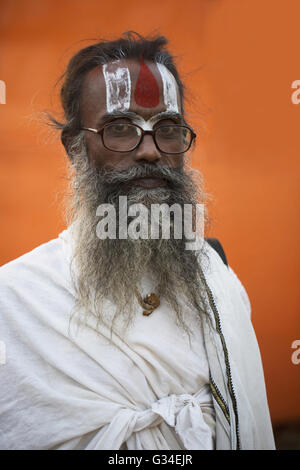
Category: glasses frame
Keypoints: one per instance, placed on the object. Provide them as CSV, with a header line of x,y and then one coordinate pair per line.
x,y
148,132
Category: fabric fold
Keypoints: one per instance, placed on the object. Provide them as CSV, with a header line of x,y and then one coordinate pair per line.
x,y
65,389
182,412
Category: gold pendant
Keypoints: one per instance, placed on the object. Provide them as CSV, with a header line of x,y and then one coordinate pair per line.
x,y
149,303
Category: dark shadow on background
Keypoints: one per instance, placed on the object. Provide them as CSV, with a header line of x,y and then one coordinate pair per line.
x,y
287,435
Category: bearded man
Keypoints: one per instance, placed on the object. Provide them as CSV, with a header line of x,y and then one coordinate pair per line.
x,y
164,355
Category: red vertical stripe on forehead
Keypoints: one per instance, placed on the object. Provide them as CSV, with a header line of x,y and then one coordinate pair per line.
x,y
146,90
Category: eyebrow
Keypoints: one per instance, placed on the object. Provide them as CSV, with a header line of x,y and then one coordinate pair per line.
x,y
132,115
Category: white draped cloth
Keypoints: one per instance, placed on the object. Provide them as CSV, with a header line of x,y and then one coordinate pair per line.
x,y
69,389
64,388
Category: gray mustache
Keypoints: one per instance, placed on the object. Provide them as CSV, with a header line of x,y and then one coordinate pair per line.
x,y
171,175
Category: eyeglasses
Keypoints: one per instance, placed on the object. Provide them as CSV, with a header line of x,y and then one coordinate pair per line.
x,y
125,137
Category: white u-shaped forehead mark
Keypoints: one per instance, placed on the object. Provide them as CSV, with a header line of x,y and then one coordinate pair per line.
x,y
118,86
169,87
149,124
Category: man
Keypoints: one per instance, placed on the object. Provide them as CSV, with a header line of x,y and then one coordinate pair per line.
x,y
164,356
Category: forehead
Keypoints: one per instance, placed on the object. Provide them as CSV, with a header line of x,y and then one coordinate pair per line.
x,y
145,88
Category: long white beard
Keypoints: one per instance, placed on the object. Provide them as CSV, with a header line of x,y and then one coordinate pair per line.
x,y
112,269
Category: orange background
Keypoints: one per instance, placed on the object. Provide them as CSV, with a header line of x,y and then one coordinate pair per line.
x,y
238,59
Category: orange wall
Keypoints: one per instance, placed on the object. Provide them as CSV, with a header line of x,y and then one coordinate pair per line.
x,y
239,59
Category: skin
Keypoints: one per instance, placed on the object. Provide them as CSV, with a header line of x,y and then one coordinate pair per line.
x,y
93,110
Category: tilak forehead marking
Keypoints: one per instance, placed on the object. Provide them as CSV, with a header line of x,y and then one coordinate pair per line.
x,y
146,89
170,88
118,86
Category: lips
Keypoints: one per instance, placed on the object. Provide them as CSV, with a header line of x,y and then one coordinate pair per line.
x,y
149,183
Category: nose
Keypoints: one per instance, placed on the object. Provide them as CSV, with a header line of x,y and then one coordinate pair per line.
x,y
147,150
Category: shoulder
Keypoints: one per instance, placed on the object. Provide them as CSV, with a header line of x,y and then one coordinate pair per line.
x,y
43,266
37,259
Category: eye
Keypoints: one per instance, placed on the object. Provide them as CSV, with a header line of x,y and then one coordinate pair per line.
x,y
168,131
119,128
120,131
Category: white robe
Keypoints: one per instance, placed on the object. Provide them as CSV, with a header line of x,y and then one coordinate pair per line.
x,y
147,391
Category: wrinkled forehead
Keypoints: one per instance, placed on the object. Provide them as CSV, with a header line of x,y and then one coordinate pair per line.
x,y
123,85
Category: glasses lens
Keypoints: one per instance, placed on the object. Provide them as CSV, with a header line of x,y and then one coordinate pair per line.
x,y
173,139
121,136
